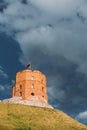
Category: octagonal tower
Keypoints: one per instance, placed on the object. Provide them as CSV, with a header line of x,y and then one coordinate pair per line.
x,y
30,84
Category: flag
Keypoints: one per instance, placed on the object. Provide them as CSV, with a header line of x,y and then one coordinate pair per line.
x,y
28,66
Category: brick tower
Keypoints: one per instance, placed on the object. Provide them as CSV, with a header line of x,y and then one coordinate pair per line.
x,y
30,84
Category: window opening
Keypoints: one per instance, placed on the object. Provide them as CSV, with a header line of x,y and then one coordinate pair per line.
x,y
43,89
42,81
20,90
32,94
32,86
32,78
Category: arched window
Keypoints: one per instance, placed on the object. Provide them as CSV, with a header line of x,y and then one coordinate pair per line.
x,y
32,78
32,94
20,90
32,86
42,81
42,89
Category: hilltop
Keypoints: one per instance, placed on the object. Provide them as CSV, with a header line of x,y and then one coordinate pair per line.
x,y
22,117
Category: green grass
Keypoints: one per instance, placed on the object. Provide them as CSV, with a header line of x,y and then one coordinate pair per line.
x,y
21,117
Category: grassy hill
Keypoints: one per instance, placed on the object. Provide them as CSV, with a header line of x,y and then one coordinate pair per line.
x,y
21,117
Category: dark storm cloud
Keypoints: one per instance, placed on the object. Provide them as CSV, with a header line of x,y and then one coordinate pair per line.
x,y
2,6
64,83
52,36
9,64
24,1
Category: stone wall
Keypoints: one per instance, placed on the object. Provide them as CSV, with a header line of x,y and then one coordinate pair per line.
x,y
33,101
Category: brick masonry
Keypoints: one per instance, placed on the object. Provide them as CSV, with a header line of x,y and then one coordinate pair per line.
x,y
29,89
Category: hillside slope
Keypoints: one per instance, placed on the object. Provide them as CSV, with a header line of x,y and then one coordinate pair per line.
x,y
21,117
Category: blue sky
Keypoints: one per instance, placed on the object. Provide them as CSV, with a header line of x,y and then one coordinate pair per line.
x,y
52,36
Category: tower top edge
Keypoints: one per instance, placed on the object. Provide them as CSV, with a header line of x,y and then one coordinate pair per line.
x,y
31,71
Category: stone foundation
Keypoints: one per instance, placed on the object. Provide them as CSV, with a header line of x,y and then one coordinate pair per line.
x,y
32,101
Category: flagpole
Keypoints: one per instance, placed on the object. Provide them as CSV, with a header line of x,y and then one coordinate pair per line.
x,y
30,65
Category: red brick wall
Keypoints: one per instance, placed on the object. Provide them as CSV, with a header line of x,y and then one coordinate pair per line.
x,y
30,82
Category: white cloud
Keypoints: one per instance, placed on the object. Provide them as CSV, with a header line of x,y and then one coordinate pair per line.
x,y
30,22
3,74
60,8
83,10
39,35
82,117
